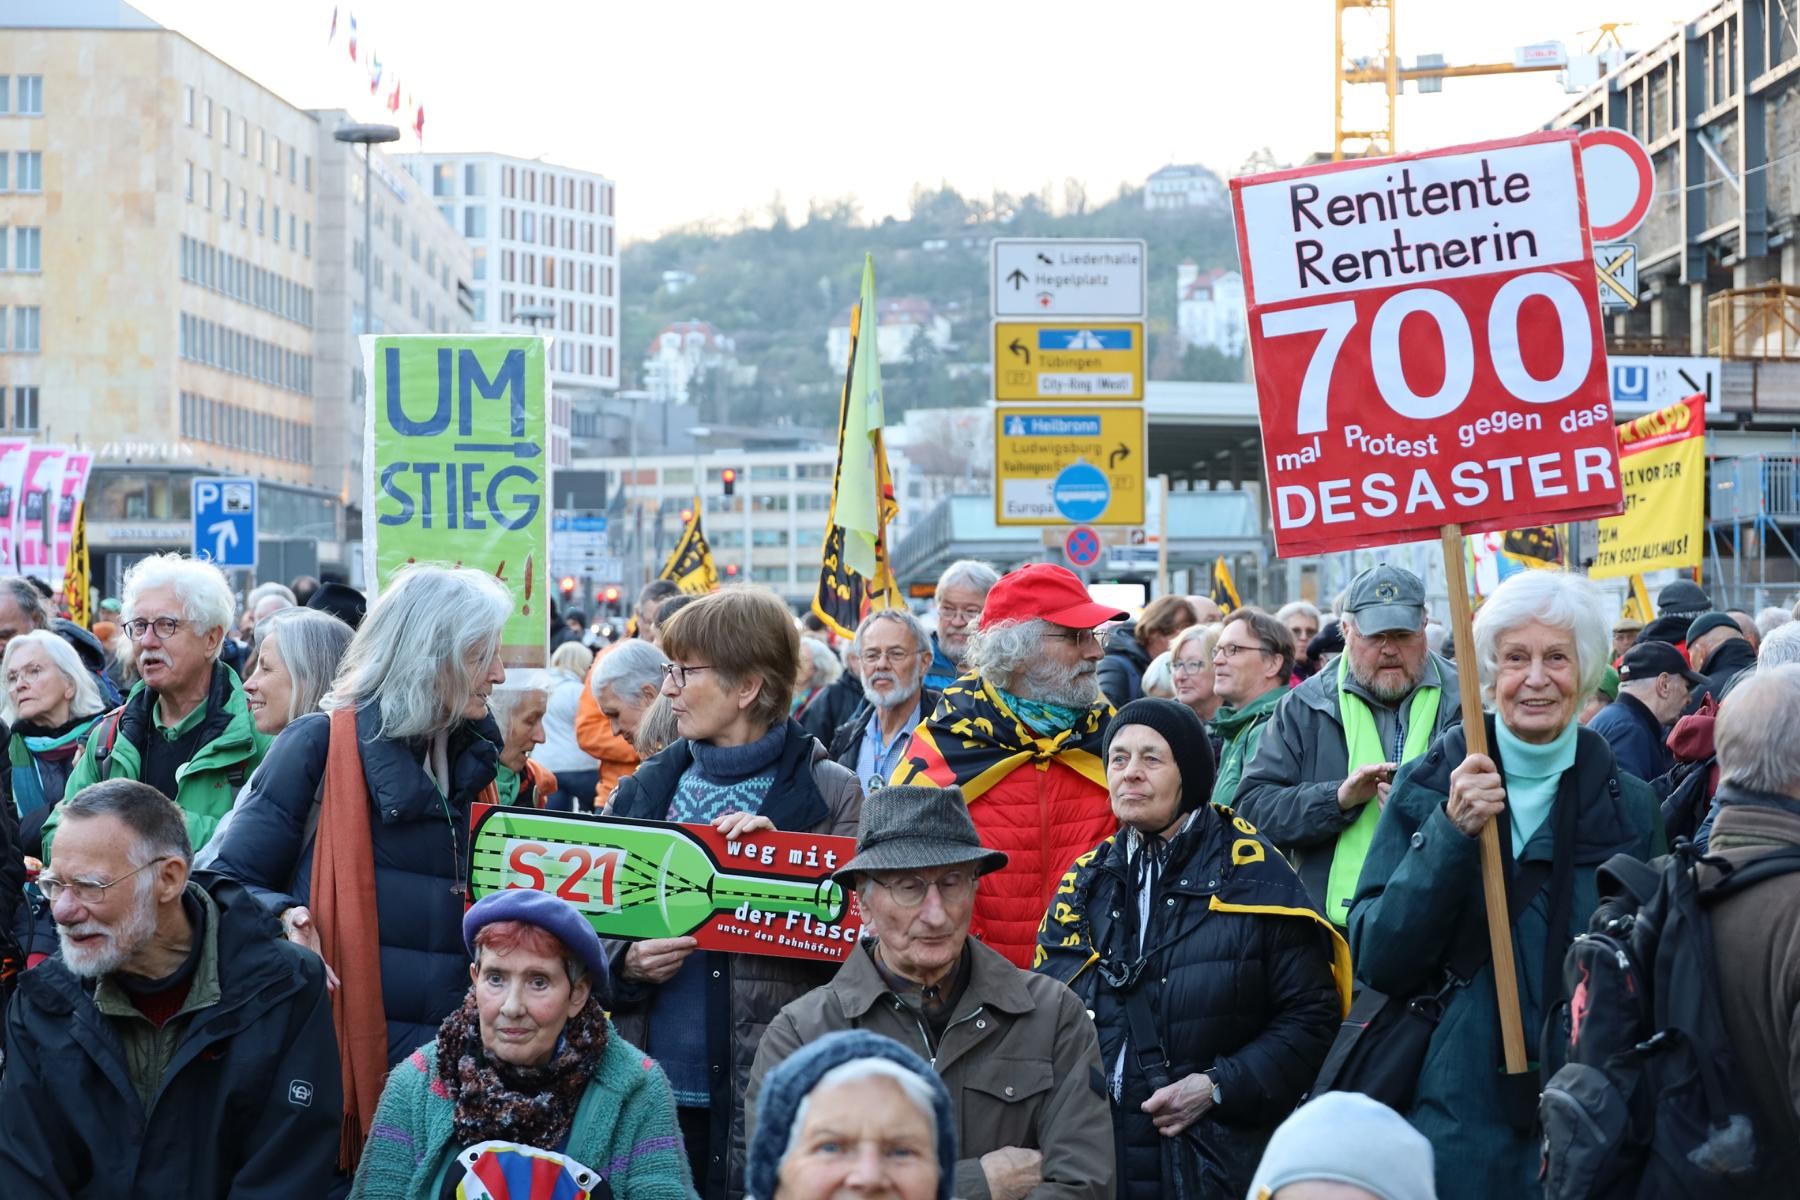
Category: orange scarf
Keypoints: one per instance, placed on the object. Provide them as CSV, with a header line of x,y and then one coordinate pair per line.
x,y
343,909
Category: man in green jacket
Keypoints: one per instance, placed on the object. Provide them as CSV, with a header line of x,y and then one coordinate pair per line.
x,y
1252,664
185,729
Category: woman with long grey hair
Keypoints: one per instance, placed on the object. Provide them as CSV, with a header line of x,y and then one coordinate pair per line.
x,y
356,835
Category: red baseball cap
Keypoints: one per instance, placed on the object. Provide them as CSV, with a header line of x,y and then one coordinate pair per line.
x,y
1048,592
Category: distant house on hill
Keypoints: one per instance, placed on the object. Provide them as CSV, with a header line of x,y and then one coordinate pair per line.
x,y
679,353
1184,185
902,319
1209,308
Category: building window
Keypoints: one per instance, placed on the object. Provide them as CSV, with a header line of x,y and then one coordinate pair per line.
x,y
480,313
4,163
25,330
528,226
31,96
415,304
261,210
474,221
5,105
276,232
306,241
262,146
293,159
507,266
190,181
293,242
206,187
187,105
308,161
509,182
474,179
225,125
443,180
209,116
25,409
244,208
27,247
29,177
244,137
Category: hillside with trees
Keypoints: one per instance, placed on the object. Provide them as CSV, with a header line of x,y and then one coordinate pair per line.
x,y
774,286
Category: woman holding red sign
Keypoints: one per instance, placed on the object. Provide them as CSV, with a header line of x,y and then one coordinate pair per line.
x,y
1419,922
742,764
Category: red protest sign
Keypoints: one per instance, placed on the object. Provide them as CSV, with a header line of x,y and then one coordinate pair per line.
x,y
1427,343
768,893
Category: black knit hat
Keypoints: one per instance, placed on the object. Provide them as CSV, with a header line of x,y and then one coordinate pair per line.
x,y
341,601
1187,741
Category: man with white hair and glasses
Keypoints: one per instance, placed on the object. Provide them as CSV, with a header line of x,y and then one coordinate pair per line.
x,y
186,728
961,591
892,648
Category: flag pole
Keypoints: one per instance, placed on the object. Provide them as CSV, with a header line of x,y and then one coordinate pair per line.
x,y
1493,870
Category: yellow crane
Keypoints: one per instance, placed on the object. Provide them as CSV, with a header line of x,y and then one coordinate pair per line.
x,y
1366,60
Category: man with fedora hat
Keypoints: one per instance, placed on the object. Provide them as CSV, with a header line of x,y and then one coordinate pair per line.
x,y
1016,1050
1019,733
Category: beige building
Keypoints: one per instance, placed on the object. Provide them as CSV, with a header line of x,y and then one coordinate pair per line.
x,y
159,291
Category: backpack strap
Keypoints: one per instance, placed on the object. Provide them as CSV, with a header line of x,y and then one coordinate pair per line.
x,y
109,736
1735,878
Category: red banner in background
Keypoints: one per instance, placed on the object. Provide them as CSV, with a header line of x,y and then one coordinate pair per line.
x,y
1427,344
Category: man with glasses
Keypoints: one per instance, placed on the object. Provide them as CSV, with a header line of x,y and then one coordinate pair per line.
x,y
1020,734
961,591
177,1045
1252,661
1016,1050
1322,770
186,728
891,649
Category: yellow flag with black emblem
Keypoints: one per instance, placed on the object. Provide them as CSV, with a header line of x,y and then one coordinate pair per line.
x,y
1224,588
690,566
76,576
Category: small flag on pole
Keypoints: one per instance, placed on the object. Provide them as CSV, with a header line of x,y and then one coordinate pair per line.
x,y
855,576
690,566
332,36
1224,588
78,572
352,37
1537,546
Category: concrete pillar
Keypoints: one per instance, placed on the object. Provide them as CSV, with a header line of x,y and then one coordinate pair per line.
x,y
1697,317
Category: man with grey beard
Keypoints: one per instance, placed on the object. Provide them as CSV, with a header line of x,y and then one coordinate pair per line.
x,y
1019,732
891,649
1336,741
177,1045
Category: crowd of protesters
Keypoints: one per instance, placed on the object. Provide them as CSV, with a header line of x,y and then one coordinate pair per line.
x,y
1122,876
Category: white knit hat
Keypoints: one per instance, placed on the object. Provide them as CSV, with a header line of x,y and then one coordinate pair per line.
x,y
1345,1137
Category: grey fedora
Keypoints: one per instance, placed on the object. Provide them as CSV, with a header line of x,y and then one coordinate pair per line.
x,y
913,828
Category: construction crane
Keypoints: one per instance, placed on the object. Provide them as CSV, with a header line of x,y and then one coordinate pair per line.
x,y
1375,64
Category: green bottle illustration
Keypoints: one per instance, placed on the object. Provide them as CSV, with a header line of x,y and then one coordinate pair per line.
x,y
632,879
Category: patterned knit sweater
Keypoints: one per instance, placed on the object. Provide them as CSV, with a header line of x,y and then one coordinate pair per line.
x,y
624,1128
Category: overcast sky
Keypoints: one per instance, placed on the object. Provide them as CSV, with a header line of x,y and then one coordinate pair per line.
x,y
708,108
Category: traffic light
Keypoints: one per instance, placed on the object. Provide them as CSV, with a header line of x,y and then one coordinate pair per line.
x,y
611,595
568,587
731,570
728,477
687,514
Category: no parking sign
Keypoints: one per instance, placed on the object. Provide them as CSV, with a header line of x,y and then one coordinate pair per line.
x,y
1082,546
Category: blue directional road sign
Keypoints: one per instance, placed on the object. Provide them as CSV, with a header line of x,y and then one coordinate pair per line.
x,y
225,521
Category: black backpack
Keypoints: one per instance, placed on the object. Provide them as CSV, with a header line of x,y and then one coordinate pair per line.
x,y
1647,1102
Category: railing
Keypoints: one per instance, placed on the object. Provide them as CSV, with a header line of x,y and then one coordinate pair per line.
x,y
1758,322
1745,488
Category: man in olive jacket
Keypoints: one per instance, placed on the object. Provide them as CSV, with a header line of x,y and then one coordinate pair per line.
x,y
1016,1050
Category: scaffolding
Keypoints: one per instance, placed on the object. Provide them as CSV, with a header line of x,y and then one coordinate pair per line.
x,y
1755,322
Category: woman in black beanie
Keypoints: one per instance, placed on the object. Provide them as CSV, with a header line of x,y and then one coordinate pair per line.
x,y
1215,985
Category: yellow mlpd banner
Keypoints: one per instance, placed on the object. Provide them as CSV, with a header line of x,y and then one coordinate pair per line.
x,y
1662,465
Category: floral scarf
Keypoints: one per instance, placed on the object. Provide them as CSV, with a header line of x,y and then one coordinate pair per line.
x,y
533,1106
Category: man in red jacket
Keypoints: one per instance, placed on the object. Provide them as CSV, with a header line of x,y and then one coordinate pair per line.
x,y
1020,735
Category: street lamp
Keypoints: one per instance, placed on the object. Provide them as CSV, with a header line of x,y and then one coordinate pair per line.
x,y
367,136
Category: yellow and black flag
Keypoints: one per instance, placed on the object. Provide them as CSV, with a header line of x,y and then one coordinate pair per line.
x,y
854,575
77,574
690,566
1224,588
1536,546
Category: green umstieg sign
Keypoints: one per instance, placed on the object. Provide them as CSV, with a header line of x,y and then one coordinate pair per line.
x,y
766,893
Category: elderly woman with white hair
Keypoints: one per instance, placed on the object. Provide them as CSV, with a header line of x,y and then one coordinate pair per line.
x,y
357,833
518,710
1562,806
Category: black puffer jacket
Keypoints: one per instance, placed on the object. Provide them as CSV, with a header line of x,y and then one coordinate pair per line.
x,y
1246,983
421,844
1122,670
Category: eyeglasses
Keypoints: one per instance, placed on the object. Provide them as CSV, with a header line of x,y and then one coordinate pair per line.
x,y
1230,650
894,655
679,673
960,615
26,674
1189,666
1080,638
89,892
165,627
909,891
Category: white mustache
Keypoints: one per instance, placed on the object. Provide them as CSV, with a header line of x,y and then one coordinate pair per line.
x,y
889,676
149,657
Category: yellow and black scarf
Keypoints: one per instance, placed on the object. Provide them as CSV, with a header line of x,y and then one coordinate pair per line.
x,y
973,739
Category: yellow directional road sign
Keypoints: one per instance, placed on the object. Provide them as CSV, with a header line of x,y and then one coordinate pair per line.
x,y
1069,360
1069,466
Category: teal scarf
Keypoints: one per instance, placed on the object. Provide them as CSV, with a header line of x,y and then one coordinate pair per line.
x,y
27,787
1041,715
1533,771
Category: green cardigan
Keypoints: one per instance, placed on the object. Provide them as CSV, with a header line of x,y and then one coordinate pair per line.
x,y
624,1128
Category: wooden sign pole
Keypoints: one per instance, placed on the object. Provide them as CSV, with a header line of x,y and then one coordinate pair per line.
x,y
1493,869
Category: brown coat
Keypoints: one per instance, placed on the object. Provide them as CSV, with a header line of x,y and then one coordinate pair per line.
x,y
1756,935
1020,1059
